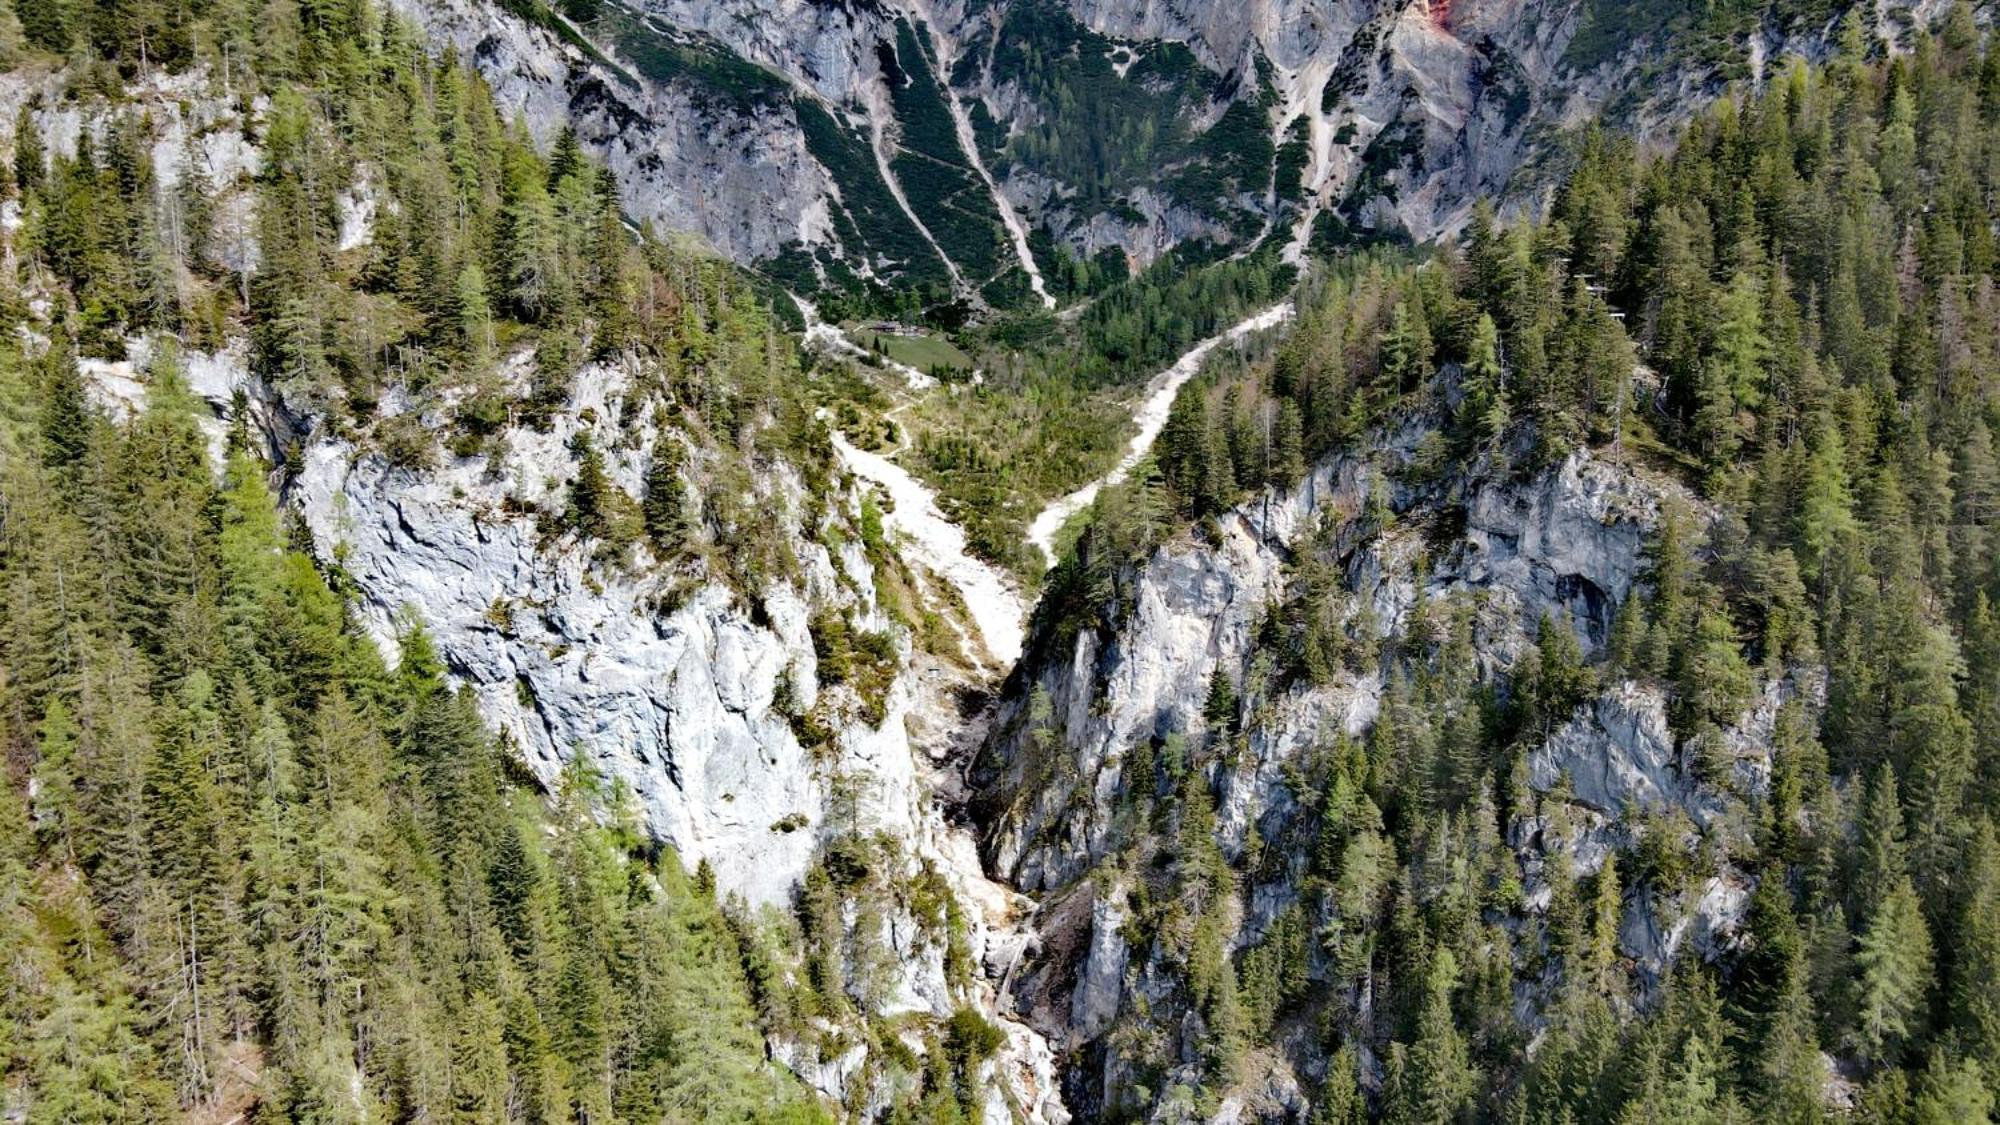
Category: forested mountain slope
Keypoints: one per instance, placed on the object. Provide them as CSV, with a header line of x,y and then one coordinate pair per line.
x,y
547,753
1558,686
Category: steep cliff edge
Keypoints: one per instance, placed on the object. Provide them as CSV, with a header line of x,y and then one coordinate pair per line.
x,y
709,701
1111,747
989,152
651,564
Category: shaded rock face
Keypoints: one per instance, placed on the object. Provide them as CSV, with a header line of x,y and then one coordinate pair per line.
x,y
1421,106
737,174
1407,111
787,133
1568,542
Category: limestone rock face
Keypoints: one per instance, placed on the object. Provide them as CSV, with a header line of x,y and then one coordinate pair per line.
x,y
122,387
736,174
199,135
687,694
1101,983
1567,542
679,705
784,133
1617,749
1399,116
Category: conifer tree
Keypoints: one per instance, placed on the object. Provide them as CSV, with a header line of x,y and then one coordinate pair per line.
x,y
1484,410
1407,346
590,493
532,262
1432,1079
1340,1099
664,507
30,157
66,414
1894,959
1974,957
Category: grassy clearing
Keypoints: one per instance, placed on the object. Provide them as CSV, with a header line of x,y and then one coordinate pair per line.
x,y
919,350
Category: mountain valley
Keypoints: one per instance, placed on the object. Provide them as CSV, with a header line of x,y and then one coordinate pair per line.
x,y
998,560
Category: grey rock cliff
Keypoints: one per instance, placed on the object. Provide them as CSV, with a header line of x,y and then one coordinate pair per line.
x,y
738,174
1399,115
685,694
1567,542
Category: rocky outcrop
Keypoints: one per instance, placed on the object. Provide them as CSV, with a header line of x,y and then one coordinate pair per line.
x,y
1411,111
685,692
782,134
196,130
736,172
216,379
680,705
1567,542
1618,750
1101,982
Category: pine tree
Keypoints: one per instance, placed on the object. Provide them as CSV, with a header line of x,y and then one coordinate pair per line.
x,y
513,879
1826,511
31,167
57,816
1288,462
1484,410
1671,606
475,316
582,1032
1407,347
1219,707
1556,682
1790,1083
1952,1090
66,413
590,493
1341,1101
1432,1079
479,1064
289,300
1712,680
665,505
1882,855
1600,964
1932,742
1742,350
1894,960
87,1062
1716,430
531,241
1974,952
1184,448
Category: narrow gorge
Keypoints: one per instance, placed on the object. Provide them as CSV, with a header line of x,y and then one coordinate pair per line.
x,y
570,562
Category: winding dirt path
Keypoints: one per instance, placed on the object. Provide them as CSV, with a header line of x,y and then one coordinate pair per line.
x,y
1152,418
